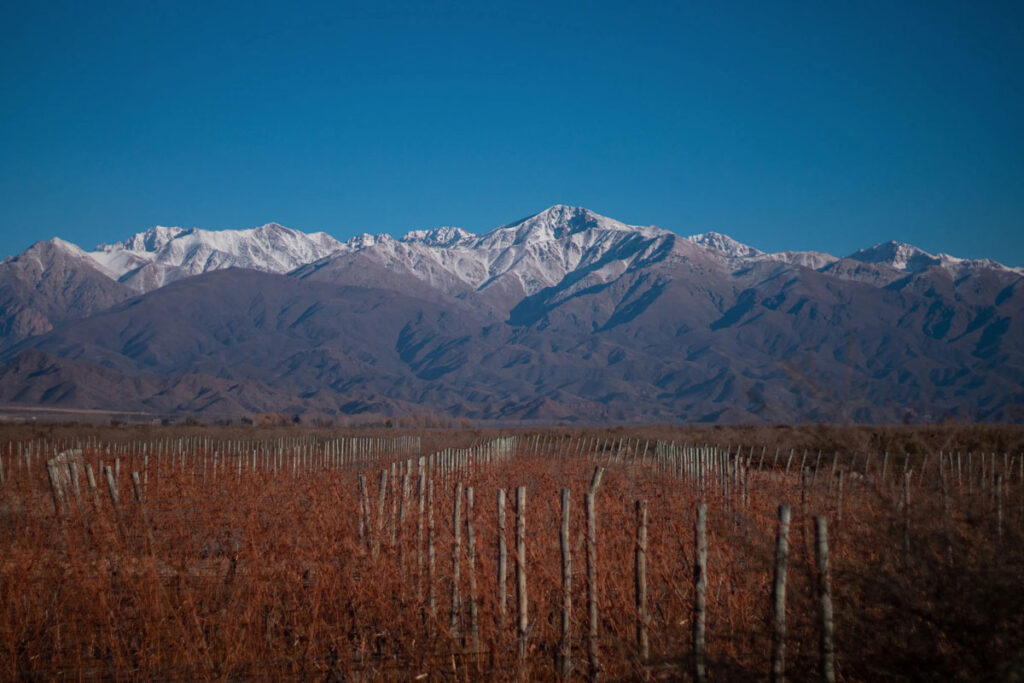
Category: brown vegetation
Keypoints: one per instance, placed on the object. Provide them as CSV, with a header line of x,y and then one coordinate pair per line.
x,y
226,570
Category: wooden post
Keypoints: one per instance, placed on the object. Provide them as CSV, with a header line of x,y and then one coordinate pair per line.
x,y
524,623
778,662
502,563
839,502
382,492
827,645
91,478
592,628
474,619
642,641
114,499
421,493
999,509
396,536
947,517
906,515
431,589
565,652
395,495
75,484
137,484
363,510
595,480
112,486
456,606
700,589
56,490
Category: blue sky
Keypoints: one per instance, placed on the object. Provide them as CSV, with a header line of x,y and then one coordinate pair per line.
x,y
813,125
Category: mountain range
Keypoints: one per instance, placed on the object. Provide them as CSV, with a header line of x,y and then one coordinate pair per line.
x,y
562,316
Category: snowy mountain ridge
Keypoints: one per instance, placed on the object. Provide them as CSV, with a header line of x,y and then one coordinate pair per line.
x,y
161,255
563,315
516,259
522,257
910,259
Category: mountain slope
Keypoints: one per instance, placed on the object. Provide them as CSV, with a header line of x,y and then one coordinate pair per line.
x,y
50,282
498,269
159,256
565,315
56,280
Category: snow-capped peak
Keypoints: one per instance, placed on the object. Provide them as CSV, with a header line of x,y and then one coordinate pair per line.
x,y
907,258
731,249
725,244
150,240
897,255
560,222
161,254
444,236
366,240
69,247
517,259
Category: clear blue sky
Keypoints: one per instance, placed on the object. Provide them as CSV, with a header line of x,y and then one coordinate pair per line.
x,y
816,125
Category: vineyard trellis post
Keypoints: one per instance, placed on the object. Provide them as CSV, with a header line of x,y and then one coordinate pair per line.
x,y
592,620
825,625
502,564
642,637
456,603
474,618
565,651
431,557
778,652
521,598
700,588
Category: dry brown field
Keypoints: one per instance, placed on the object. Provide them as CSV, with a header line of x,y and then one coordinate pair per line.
x,y
249,553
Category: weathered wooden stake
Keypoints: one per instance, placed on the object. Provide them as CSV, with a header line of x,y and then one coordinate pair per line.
x,y
399,531
778,661
456,606
700,589
421,494
592,628
502,563
114,499
137,485
363,512
565,651
999,509
474,618
382,492
91,478
839,501
827,645
906,515
524,623
642,641
947,515
431,574
56,490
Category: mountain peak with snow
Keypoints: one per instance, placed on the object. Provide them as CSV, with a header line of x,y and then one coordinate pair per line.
x,y
897,255
151,240
160,255
725,244
560,222
523,256
445,236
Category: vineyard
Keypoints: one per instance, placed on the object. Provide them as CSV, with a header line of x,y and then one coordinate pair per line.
x,y
534,556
